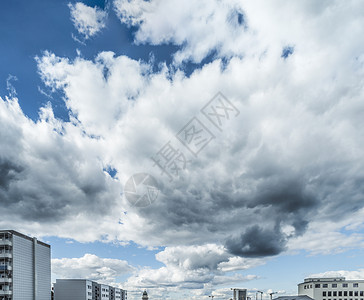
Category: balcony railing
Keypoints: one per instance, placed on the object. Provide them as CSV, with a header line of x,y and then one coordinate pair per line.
x,y
5,280
5,267
5,242
5,254
3,293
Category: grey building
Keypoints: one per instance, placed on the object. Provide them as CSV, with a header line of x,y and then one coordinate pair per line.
x,y
25,267
239,294
83,289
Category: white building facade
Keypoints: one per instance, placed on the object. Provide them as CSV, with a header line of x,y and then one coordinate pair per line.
x,y
336,288
25,267
83,289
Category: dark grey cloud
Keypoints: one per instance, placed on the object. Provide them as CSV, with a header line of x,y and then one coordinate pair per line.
x,y
257,242
9,171
45,176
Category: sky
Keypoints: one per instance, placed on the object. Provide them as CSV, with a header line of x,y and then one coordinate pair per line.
x,y
185,147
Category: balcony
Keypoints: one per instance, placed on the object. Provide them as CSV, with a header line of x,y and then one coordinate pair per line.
x,y
4,242
4,293
5,268
6,280
5,254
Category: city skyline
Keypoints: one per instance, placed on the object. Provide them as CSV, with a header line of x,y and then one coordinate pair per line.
x,y
185,147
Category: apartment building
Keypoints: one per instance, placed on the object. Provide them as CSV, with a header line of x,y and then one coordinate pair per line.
x,y
25,267
83,289
336,288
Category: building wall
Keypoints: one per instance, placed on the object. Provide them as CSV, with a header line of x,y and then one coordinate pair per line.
x,y
23,277
239,294
332,289
43,270
117,294
104,291
71,289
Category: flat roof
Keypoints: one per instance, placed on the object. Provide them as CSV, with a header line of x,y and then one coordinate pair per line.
x,y
90,280
297,297
329,279
24,236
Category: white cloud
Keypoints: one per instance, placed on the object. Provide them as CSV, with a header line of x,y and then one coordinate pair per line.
x,y
190,268
45,178
87,20
236,28
275,164
90,266
282,176
349,275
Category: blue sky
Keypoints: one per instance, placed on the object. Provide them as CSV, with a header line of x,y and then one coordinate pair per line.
x,y
91,91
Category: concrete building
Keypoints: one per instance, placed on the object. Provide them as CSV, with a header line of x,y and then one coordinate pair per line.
x,y
239,294
337,288
25,267
83,289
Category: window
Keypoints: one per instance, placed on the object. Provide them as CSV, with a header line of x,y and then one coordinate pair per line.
x,y
334,294
361,293
340,293
351,293
334,285
310,286
323,294
345,293
355,284
345,285
356,293
324,285
329,294
317,285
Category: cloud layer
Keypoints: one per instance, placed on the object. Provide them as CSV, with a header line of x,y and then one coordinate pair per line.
x,y
90,267
280,176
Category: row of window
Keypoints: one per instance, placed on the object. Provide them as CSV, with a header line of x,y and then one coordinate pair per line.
x,y
326,285
343,293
